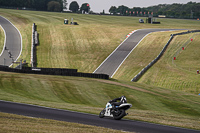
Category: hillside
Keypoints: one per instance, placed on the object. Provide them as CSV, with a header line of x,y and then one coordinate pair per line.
x,y
90,95
85,46
176,74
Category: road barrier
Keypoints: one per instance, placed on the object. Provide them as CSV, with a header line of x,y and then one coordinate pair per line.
x,y
35,42
139,75
53,71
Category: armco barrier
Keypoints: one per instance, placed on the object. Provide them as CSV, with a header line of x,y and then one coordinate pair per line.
x,y
139,75
54,71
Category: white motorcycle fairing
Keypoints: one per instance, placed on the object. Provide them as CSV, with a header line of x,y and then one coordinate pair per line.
x,y
121,109
108,110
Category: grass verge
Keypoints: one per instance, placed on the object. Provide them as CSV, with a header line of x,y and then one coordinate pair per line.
x,y
18,124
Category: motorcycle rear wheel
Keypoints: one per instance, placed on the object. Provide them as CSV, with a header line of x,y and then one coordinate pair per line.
x,y
119,115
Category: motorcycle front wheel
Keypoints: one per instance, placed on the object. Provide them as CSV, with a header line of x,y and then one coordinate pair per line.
x,y
119,114
101,114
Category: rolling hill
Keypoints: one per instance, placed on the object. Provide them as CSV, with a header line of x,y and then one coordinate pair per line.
x,y
166,94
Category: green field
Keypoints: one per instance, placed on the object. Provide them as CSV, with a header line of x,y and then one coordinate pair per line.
x,y
166,94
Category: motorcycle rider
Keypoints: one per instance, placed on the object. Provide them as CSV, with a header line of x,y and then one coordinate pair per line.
x,y
114,102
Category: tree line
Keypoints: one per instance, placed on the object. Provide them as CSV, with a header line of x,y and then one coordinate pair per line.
x,y
42,5
74,7
189,10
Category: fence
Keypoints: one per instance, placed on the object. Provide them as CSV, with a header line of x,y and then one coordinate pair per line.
x,y
139,75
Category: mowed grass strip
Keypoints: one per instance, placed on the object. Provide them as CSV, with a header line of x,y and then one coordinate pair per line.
x,y
2,38
16,123
90,95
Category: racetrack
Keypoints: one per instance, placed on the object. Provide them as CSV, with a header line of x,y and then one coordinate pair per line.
x,y
69,116
111,64
13,43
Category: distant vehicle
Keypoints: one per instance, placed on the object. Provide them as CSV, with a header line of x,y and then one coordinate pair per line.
x,y
141,21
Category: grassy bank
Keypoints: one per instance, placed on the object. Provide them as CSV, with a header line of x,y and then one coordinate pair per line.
x,y
179,74
2,38
85,46
151,104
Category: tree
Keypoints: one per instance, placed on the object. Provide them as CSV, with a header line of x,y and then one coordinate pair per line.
x,y
85,8
122,9
74,6
113,10
54,6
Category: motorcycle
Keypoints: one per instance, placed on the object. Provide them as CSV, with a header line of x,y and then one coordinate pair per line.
x,y
117,112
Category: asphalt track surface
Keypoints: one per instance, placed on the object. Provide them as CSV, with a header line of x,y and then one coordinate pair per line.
x,y
13,43
83,118
111,64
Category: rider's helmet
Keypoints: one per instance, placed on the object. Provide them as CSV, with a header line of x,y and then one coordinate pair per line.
x,y
123,99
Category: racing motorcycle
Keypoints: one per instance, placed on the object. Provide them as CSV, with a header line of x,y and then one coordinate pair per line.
x,y
116,110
